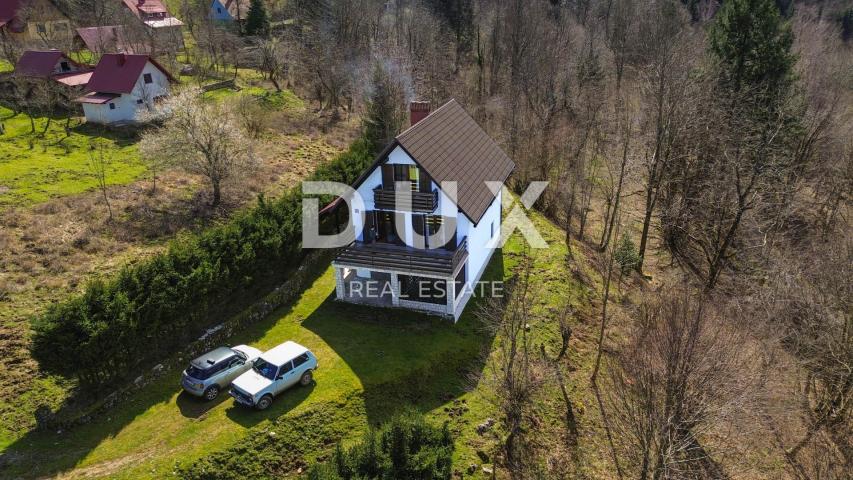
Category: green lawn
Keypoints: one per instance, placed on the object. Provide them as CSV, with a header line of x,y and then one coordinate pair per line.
x,y
358,348
373,363
35,168
272,100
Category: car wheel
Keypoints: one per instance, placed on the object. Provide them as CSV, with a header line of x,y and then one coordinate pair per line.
x,y
306,378
211,393
264,402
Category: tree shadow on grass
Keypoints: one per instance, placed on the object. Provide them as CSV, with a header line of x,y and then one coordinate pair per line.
x,y
195,407
50,451
403,360
283,403
406,360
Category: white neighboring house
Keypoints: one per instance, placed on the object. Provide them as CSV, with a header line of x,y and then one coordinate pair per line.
x,y
387,265
122,87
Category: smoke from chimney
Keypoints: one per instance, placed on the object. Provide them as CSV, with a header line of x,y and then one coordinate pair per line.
x,y
418,110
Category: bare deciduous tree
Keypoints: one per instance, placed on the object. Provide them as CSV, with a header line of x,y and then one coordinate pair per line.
x,y
99,164
512,368
683,372
203,137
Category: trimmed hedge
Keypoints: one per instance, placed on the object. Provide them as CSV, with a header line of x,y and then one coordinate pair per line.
x,y
406,447
150,309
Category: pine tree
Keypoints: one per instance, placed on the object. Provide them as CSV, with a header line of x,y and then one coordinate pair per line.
x,y
257,22
752,43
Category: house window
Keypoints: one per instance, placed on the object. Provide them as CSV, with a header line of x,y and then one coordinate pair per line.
x,y
112,106
218,10
64,66
139,101
422,289
146,77
492,230
40,28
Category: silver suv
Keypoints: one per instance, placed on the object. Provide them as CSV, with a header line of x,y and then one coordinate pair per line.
x,y
208,374
275,371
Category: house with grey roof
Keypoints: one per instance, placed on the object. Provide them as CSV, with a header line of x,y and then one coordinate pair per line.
x,y
429,217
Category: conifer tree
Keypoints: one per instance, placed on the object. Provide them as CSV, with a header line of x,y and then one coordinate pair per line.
x,y
257,22
752,44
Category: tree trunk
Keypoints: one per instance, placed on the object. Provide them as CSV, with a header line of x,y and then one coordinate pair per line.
x,y
644,236
217,193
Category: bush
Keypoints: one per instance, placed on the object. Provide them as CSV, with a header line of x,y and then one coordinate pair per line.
x,y
406,447
150,309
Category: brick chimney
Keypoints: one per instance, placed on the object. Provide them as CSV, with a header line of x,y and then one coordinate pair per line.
x,y
121,59
418,110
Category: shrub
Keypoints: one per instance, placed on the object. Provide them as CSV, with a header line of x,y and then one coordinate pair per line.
x,y
406,447
150,309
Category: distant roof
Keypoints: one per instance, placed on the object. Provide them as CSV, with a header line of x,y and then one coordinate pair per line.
x,y
39,63
164,22
450,146
96,98
46,10
74,79
119,72
283,353
110,38
8,10
146,6
237,8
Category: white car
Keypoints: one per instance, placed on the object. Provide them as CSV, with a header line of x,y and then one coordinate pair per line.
x,y
274,372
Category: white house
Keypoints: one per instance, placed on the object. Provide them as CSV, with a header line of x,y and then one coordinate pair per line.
x,y
402,257
122,86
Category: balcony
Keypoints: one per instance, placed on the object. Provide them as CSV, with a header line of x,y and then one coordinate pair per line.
x,y
399,258
421,202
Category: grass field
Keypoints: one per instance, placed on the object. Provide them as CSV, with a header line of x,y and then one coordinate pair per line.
x,y
372,364
35,167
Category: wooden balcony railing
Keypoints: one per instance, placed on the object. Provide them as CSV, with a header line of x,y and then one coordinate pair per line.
x,y
421,202
404,259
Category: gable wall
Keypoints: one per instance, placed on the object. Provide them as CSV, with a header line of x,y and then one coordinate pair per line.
x,y
398,156
222,14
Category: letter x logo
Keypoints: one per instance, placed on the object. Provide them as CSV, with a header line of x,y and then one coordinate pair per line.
x,y
517,219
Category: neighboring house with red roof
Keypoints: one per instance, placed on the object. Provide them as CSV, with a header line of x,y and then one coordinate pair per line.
x,y
122,86
155,15
229,10
34,21
52,65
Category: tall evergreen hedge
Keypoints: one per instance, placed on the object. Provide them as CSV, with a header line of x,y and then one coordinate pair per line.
x,y
149,310
406,447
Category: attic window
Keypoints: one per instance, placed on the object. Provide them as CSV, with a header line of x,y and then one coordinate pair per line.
x,y
64,66
146,77
112,106
218,10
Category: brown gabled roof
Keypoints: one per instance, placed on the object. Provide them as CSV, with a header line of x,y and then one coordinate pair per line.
x,y
451,146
